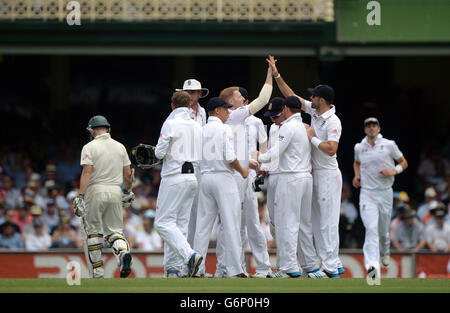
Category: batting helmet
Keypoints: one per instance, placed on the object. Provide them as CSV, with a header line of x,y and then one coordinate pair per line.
x,y
97,121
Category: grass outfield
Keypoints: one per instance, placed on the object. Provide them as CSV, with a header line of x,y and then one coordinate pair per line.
x,y
192,285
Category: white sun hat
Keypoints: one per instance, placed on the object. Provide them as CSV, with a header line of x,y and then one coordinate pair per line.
x,y
193,84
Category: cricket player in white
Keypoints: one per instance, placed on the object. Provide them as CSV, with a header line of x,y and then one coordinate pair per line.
x,y
105,167
218,190
240,112
194,88
375,169
294,187
324,134
179,146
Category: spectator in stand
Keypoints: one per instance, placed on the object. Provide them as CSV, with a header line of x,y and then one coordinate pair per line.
x,y
9,217
51,217
75,221
36,212
409,235
11,239
22,216
347,218
148,239
22,171
400,210
129,232
433,168
264,220
34,185
65,237
50,172
443,189
437,235
140,198
53,193
424,208
12,193
39,239
430,218
2,206
400,199
69,168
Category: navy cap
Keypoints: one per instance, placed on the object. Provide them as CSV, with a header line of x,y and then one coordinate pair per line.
x,y
243,92
371,120
323,91
275,107
216,102
292,102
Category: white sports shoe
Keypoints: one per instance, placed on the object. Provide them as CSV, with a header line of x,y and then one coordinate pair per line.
x,y
281,274
263,275
317,274
385,260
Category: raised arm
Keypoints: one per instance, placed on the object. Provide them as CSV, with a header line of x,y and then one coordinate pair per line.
x,y
282,85
264,95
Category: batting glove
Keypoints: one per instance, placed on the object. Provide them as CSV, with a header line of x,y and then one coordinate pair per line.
x,y
79,207
127,198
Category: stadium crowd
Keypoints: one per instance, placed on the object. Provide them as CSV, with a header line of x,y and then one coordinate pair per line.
x,y
36,212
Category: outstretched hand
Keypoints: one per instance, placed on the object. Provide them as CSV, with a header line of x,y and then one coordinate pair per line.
x,y
271,61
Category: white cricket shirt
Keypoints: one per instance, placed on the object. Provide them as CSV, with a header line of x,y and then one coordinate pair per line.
x,y
236,121
293,147
374,159
180,141
327,127
198,116
218,147
272,166
107,157
256,133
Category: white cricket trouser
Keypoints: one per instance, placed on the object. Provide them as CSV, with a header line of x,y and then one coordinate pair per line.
x,y
375,207
193,215
219,195
175,197
250,225
221,270
326,203
272,182
293,193
103,213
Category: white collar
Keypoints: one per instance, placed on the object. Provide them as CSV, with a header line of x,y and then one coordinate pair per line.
x,y
214,119
328,113
366,141
292,117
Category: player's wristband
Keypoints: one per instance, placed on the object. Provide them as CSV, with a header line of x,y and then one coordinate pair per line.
x,y
279,75
316,142
398,168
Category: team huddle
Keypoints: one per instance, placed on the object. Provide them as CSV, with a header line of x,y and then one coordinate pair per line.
x,y
213,161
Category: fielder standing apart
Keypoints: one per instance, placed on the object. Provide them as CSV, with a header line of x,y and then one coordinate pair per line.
x,y
179,146
375,169
324,134
105,167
